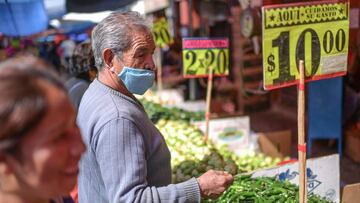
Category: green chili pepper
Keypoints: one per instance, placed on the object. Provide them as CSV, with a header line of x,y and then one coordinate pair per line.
x,y
263,190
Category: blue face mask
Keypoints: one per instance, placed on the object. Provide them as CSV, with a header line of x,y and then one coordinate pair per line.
x,y
137,81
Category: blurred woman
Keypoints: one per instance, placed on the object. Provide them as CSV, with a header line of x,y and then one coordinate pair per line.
x,y
40,144
82,71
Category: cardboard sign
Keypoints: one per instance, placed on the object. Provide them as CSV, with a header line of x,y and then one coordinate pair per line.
x,y
199,54
351,193
233,132
275,144
320,179
161,33
317,33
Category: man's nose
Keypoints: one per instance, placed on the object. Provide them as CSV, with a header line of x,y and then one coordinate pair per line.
x,y
150,64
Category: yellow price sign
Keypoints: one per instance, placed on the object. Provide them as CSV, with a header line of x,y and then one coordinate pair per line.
x,y
161,33
317,33
199,54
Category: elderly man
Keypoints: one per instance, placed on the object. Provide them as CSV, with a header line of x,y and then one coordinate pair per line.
x,y
127,159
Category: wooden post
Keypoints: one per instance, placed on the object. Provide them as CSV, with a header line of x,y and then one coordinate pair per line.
x,y
208,102
159,73
301,136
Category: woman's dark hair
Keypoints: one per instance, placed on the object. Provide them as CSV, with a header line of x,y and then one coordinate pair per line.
x,y
82,61
23,103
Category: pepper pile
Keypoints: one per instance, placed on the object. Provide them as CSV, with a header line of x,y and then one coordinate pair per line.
x,y
262,190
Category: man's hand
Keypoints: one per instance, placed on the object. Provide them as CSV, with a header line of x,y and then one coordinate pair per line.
x,y
213,183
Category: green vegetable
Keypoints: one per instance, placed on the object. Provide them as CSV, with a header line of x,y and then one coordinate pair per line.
x,y
262,190
157,112
250,161
191,156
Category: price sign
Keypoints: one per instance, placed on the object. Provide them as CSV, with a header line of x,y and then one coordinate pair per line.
x,y
161,33
199,54
317,33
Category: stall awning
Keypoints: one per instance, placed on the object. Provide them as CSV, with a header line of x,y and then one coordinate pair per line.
x,y
22,17
75,27
55,8
86,6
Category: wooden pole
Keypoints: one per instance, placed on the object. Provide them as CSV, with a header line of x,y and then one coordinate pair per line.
x,y
159,73
301,136
208,102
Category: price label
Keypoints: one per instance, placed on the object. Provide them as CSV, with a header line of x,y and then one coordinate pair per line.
x,y
317,33
199,54
161,33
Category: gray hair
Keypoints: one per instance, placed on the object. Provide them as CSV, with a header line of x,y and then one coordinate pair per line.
x,y
116,33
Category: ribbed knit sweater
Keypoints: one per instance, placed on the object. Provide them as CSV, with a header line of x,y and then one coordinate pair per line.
x,y
127,159
76,88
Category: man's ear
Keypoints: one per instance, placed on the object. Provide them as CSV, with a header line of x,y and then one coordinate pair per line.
x,y
108,57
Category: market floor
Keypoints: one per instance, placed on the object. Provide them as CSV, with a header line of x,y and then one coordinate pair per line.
x,y
279,118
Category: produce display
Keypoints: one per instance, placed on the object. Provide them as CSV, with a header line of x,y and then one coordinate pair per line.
x,y
187,145
185,141
263,190
250,160
190,155
156,112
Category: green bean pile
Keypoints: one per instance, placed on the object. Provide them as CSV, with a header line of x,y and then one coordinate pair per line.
x,y
262,190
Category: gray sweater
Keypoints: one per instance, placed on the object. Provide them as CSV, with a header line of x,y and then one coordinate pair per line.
x,y
127,159
76,88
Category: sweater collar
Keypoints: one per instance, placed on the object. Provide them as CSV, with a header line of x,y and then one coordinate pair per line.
x,y
106,88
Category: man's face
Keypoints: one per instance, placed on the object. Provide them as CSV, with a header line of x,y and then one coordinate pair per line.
x,y
140,53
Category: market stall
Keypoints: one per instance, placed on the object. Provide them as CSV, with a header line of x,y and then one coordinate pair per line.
x,y
220,66
193,154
